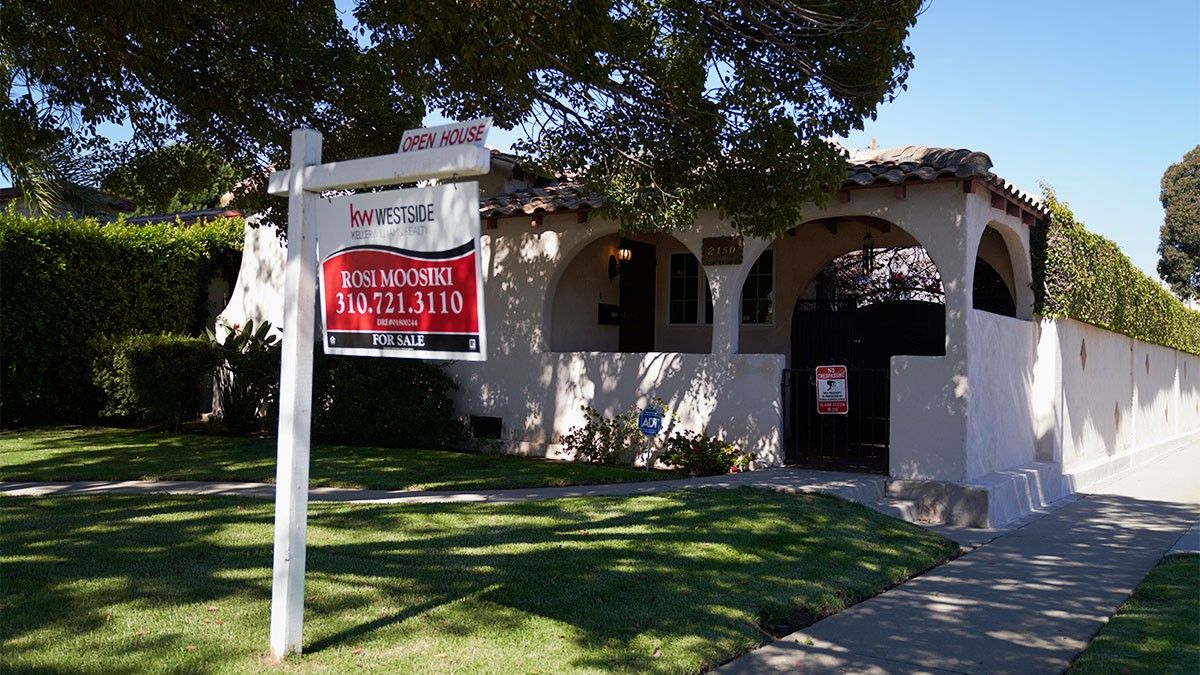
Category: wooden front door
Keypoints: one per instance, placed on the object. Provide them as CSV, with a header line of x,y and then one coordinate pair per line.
x,y
638,290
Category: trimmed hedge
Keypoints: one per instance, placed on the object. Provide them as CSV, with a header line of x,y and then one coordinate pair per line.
x,y
1083,276
66,285
385,402
157,379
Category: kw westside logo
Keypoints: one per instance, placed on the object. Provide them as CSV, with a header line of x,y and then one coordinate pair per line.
x,y
403,214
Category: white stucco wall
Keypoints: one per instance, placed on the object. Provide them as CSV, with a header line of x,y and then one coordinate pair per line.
x,y
546,282
928,419
1189,391
257,294
1007,393
1097,399
1001,421
583,286
539,396
1097,381
1155,404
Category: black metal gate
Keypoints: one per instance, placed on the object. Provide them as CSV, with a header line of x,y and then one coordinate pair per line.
x,y
838,332
856,441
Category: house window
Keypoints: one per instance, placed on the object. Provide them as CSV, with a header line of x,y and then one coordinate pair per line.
x,y
688,284
758,293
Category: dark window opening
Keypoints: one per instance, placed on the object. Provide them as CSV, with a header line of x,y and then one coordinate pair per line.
x,y
758,293
486,427
990,293
687,282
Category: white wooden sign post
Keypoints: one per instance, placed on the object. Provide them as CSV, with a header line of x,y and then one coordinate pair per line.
x,y
434,153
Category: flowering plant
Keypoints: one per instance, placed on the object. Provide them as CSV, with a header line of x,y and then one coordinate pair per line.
x,y
700,455
604,441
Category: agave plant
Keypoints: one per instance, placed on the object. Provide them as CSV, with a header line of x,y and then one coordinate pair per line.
x,y
248,379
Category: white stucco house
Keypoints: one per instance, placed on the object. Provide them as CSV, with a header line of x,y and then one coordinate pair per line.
x,y
970,403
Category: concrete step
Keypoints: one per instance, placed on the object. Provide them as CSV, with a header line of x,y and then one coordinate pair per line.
x,y
904,509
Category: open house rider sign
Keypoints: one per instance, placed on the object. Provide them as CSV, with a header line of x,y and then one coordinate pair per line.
x,y
401,274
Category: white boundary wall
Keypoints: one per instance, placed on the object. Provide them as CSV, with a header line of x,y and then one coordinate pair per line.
x,y
539,396
257,294
1089,400
1064,397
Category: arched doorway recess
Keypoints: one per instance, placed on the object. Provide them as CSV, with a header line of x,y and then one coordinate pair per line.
x,y
860,309
994,286
634,294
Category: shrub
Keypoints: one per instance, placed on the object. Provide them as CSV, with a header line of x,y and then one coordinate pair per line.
x,y
248,379
384,401
701,455
604,441
65,284
1083,276
157,379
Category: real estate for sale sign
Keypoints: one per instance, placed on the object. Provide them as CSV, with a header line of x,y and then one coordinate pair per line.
x,y
401,274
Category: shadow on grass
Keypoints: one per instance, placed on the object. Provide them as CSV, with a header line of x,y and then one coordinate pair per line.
x,y
121,454
685,574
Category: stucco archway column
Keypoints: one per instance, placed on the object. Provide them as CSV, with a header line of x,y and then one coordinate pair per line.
x,y
725,281
722,279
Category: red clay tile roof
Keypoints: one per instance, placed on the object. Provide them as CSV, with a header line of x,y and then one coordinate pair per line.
x,y
892,166
561,196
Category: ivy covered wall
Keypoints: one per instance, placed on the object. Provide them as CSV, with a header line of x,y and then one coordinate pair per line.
x,y
1080,275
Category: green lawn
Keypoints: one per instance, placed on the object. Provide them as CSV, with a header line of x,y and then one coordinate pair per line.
x,y
124,454
1157,630
670,583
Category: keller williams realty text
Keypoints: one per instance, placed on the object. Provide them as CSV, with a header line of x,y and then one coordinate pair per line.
x,y
415,216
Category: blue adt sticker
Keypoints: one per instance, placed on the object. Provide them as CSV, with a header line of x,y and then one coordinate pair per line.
x,y
650,421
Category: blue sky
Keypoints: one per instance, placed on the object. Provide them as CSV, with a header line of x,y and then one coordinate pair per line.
x,y
1095,98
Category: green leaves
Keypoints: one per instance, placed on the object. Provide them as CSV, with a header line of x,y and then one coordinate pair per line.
x,y
67,283
248,380
234,75
156,378
1179,245
1083,276
664,107
177,177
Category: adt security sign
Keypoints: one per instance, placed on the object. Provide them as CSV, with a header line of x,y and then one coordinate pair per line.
x,y
650,421
401,273
832,397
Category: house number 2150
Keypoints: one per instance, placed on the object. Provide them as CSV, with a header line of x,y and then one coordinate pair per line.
x,y
721,251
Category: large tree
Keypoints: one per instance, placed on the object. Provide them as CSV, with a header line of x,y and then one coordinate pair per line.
x,y
176,177
664,106
236,76
1179,239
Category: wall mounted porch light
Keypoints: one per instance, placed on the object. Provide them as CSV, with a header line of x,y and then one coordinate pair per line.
x,y
868,254
622,255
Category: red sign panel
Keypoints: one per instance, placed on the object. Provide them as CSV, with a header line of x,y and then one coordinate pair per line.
x,y
382,297
401,274
832,394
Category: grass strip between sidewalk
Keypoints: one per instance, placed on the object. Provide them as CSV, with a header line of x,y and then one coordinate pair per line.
x,y
125,454
669,583
1157,630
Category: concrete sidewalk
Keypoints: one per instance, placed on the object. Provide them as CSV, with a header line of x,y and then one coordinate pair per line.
x,y
855,487
1027,602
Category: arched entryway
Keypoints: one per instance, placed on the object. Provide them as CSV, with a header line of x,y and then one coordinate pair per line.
x,y
994,287
861,309
633,294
